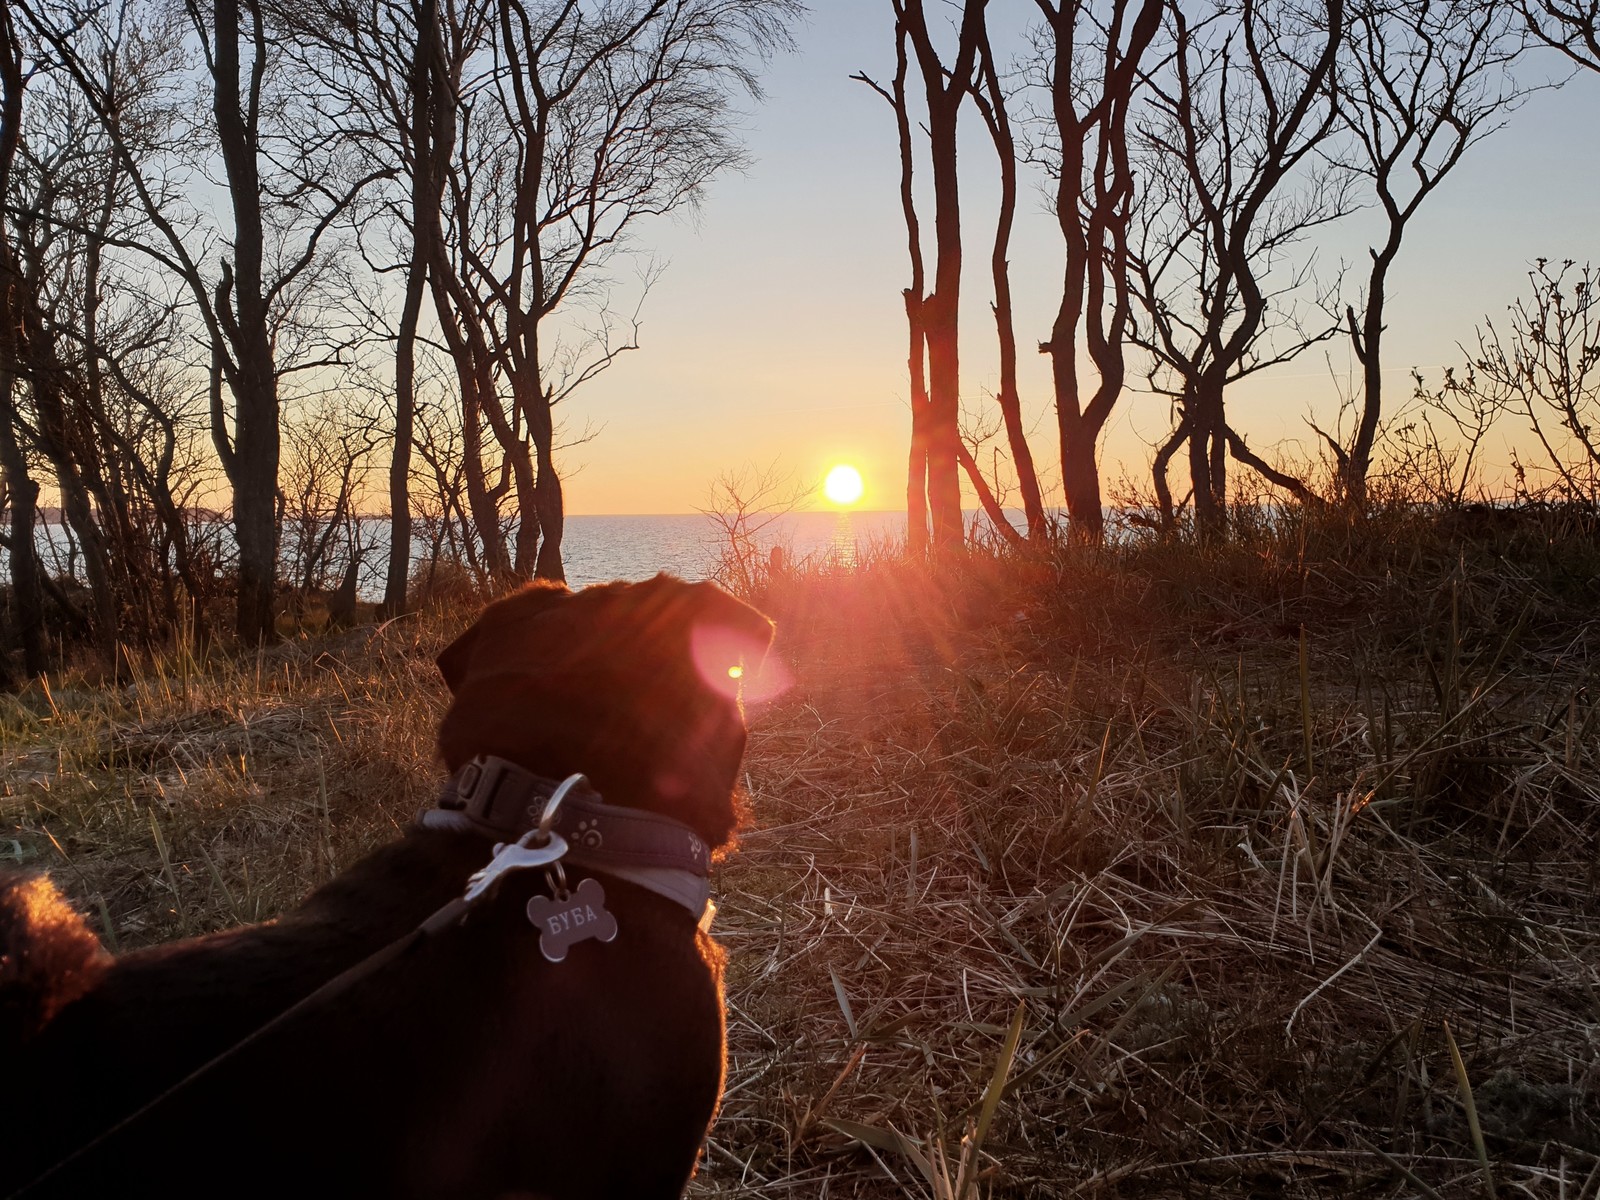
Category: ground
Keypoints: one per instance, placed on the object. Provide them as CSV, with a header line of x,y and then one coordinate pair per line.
x,y
1150,872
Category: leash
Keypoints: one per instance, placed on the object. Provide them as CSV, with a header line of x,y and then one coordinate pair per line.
x,y
538,846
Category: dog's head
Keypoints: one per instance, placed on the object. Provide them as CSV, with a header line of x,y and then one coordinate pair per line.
x,y
635,685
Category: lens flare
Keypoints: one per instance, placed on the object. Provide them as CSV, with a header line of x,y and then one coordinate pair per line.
x,y
735,665
843,484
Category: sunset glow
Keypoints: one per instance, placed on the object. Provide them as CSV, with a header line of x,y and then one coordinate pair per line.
x,y
843,485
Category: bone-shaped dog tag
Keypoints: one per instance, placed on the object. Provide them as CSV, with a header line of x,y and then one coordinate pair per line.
x,y
563,923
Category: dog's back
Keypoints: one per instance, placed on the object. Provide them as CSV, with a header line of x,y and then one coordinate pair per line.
x,y
431,1078
95,1038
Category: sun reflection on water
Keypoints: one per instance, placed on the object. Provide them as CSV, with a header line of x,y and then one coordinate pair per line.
x,y
842,546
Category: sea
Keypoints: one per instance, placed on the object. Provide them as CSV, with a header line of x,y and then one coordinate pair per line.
x,y
597,549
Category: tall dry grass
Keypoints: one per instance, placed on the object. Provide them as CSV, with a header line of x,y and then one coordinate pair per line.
x,y
212,790
1267,869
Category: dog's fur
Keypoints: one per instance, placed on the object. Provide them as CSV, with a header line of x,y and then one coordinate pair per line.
x,y
471,1067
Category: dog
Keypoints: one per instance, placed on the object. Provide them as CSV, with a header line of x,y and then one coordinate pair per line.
x,y
477,1054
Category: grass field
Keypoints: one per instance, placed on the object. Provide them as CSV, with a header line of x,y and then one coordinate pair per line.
x,y
1156,871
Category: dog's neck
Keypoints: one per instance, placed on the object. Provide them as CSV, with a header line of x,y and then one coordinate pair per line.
x,y
499,800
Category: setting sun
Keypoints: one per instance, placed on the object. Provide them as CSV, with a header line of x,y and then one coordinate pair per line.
x,y
843,485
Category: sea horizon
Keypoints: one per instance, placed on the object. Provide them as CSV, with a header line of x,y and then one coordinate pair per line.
x,y
600,547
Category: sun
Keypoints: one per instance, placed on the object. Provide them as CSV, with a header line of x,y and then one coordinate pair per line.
x,y
843,484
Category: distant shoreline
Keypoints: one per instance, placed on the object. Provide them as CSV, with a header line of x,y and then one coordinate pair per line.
x,y
57,515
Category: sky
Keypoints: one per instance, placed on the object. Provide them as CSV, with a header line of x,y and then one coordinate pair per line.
x,y
775,337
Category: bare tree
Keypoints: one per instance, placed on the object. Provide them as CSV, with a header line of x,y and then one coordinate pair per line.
x,y
439,483
106,406
328,447
990,499
940,310
992,103
429,129
916,352
388,74
21,489
1570,26
278,218
1233,181
743,506
53,272
443,237
1546,369
1421,81
589,120
1091,73
1445,467
934,317
119,423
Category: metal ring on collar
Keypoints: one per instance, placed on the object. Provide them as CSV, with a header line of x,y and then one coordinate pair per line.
x,y
551,806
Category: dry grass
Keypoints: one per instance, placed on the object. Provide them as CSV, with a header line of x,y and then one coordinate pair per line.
x,y
210,792
1264,871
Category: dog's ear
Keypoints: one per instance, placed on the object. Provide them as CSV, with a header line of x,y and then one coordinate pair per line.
x,y
453,659
715,606
538,596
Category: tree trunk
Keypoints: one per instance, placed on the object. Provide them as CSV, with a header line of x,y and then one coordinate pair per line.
x,y
917,343
1008,397
1368,348
62,442
1207,520
469,354
423,206
242,310
530,515
917,460
1158,477
1079,470
485,512
256,526
552,518
944,420
548,506
79,515
483,361
941,310
20,488
531,420
917,487
432,134
941,327
405,411
1080,481
1092,209
1208,460
23,494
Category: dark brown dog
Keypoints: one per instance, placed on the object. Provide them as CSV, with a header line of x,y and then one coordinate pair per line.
x,y
469,1066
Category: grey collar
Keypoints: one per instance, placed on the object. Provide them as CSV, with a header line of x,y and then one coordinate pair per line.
x,y
497,799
